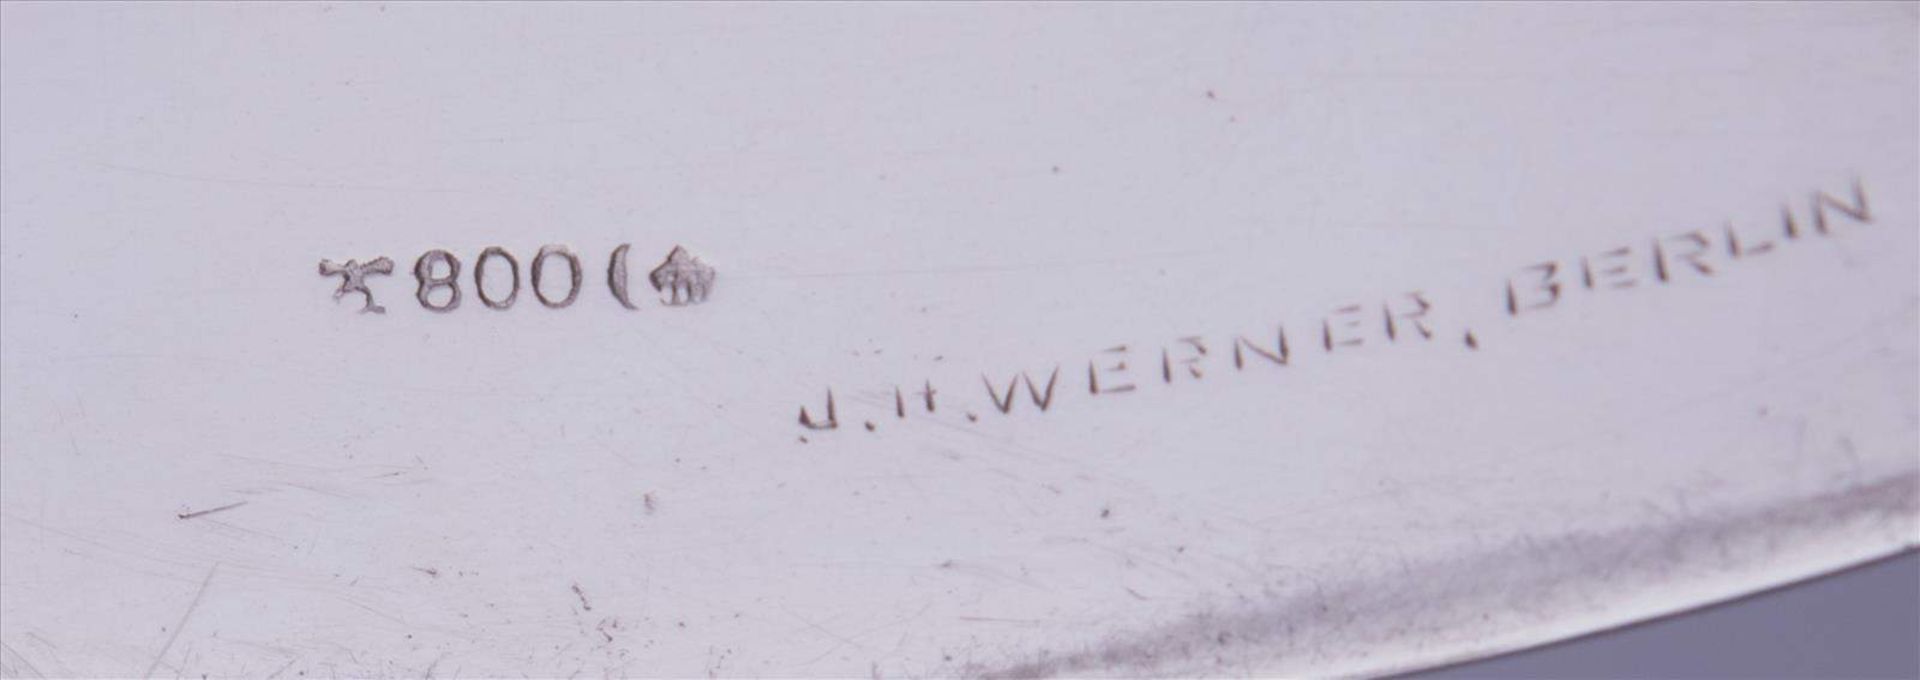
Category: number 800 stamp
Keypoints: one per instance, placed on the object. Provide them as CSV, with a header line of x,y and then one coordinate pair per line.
x,y
680,279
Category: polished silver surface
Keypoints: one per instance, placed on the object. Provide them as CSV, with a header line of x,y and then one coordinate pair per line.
x,y
1275,339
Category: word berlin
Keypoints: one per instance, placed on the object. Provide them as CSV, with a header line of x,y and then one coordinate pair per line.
x,y
1532,289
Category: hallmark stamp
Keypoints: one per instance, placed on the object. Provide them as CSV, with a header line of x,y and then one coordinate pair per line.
x,y
353,279
682,272
682,278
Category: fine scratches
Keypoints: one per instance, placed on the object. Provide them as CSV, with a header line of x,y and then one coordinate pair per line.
x,y
209,511
175,635
1338,624
584,604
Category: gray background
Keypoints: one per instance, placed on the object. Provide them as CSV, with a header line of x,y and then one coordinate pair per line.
x,y
1859,623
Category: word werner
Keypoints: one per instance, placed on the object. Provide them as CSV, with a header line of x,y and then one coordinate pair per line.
x,y
1699,253
1400,319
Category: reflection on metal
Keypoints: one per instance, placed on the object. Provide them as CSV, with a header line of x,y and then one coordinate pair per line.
x,y
1417,435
